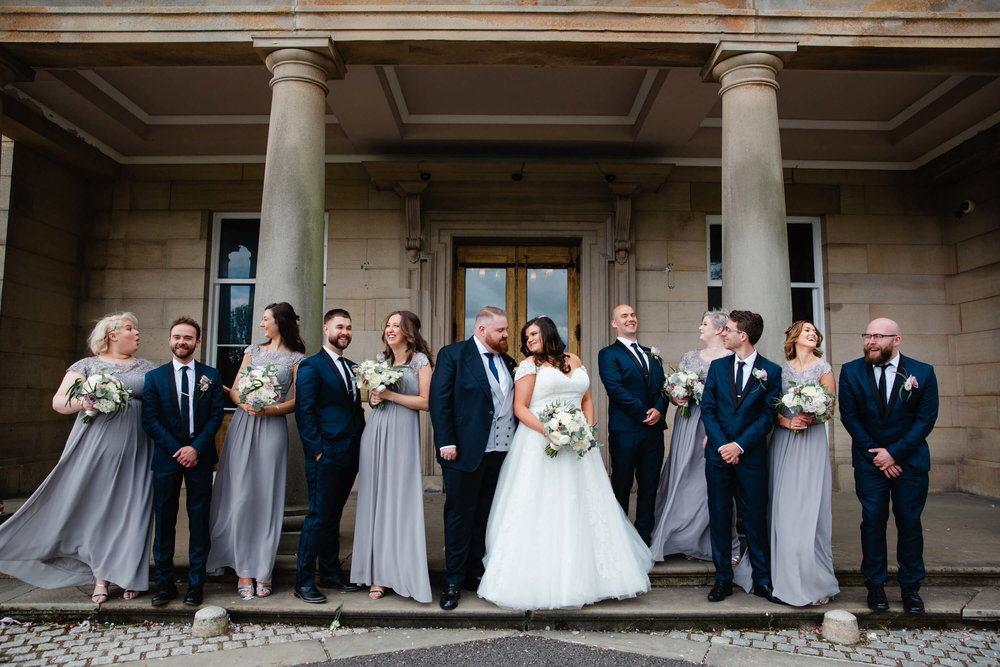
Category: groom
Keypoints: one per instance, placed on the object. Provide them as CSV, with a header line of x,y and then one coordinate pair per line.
x,y
889,403
182,410
633,378
738,411
472,411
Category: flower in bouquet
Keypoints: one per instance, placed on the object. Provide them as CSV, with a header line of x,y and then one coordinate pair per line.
x,y
107,394
258,386
565,425
377,374
809,398
683,383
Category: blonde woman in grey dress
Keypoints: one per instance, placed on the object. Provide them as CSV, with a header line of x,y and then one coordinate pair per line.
x,y
90,521
390,549
248,497
681,524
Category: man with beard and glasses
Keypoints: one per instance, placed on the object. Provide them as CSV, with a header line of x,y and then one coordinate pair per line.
x,y
330,420
182,410
889,403
472,410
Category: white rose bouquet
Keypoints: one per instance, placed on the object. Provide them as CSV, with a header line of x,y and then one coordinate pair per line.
x,y
567,426
258,386
377,374
107,393
809,398
683,383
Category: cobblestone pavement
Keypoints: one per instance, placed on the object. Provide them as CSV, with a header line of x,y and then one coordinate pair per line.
x,y
86,644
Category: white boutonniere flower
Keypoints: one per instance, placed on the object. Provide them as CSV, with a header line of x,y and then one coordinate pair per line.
x,y
204,382
654,352
761,376
908,386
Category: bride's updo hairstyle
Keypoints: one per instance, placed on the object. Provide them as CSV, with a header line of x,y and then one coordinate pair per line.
x,y
553,348
409,325
98,341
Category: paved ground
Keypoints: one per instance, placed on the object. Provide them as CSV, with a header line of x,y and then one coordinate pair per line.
x,y
83,645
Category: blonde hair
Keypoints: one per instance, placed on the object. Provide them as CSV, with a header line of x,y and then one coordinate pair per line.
x,y
487,314
97,341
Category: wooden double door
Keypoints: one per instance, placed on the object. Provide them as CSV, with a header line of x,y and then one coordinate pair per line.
x,y
525,280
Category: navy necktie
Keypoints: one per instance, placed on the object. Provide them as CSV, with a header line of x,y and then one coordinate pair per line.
x,y
185,402
739,378
493,366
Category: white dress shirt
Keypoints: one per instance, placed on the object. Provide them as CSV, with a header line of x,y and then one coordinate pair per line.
x,y
642,356
892,366
747,374
192,385
348,382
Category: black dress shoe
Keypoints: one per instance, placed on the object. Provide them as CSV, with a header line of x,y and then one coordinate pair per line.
x,y
164,595
720,591
912,603
450,596
765,591
309,594
877,601
338,582
194,596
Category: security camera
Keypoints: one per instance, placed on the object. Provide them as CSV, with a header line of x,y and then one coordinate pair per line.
x,y
967,206
610,178
425,176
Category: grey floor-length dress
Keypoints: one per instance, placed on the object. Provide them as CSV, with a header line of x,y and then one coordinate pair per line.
x,y
248,497
92,516
681,525
390,547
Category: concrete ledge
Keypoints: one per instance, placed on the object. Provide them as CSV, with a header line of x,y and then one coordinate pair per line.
x,y
985,606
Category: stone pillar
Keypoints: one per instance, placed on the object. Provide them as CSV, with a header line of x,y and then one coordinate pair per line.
x,y
290,251
755,272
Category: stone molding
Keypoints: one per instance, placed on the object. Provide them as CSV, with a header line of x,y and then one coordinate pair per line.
x,y
623,193
309,59
411,192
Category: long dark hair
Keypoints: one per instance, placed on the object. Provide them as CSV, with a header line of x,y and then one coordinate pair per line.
x,y
553,348
288,325
409,324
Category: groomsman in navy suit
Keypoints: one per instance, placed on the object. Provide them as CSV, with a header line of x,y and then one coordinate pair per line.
x,y
633,378
889,403
738,411
472,410
330,420
182,411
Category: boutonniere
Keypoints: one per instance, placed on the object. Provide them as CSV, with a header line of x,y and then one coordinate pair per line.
x,y
204,382
908,386
761,376
654,352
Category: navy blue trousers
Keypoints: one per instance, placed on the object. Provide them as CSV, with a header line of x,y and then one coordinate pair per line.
x,y
747,483
166,501
637,455
467,502
329,485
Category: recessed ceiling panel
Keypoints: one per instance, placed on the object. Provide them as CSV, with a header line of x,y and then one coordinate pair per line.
x,y
195,91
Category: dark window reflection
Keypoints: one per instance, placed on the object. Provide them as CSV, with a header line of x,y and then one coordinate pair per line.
x,y
800,253
714,298
715,252
228,362
802,304
238,248
235,313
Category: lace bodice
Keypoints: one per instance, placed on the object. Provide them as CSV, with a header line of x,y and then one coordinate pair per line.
x,y
553,385
693,361
410,384
810,375
285,361
132,375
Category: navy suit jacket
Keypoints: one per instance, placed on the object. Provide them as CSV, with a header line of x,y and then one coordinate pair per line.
x,y
910,415
746,422
629,395
461,403
161,416
328,418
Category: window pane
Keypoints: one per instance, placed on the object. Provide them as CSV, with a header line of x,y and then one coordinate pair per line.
x,y
238,248
227,361
802,304
548,294
483,287
800,253
714,298
715,252
235,312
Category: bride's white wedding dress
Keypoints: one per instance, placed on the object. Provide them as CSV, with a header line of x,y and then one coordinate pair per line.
x,y
556,537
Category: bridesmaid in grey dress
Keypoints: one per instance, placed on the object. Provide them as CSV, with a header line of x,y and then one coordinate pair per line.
x,y
390,549
248,497
91,519
681,525
801,513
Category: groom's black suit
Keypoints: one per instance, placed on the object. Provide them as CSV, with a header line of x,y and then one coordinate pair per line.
x,y
462,413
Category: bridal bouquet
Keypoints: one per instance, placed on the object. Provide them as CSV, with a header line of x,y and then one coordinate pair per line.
x,y
258,386
109,395
810,398
377,374
566,426
683,383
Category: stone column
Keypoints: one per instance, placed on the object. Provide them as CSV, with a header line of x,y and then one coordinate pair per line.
x,y
290,250
755,272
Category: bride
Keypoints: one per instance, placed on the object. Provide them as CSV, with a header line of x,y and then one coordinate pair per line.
x,y
556,536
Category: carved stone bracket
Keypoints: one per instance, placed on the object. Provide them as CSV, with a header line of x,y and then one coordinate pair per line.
x,y
410,191
623,193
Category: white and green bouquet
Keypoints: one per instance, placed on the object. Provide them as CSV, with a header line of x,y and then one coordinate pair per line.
x,y
566,427
683,383
810,398
107,393
258,386
377,374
